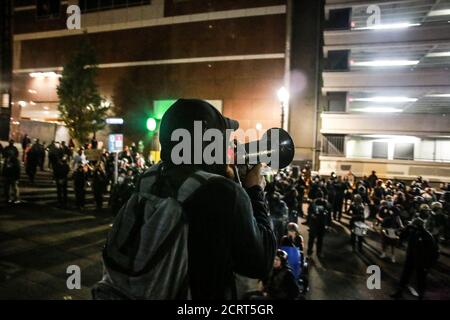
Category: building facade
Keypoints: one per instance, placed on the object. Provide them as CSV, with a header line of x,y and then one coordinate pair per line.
x,y
386,80
153,51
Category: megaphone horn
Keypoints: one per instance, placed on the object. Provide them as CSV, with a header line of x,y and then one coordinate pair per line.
x,y
275,148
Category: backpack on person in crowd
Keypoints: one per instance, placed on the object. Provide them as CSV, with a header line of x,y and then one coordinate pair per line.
x,y
146,254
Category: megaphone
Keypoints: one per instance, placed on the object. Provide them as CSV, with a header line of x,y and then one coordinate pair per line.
x,y
275,148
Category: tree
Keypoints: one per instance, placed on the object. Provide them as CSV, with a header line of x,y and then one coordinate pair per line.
x,y
82,108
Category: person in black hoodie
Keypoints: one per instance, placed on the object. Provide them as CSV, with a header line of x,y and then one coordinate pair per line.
x,y
421,255
228,223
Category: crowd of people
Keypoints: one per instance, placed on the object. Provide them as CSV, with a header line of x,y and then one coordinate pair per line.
x,y
413,215
70,163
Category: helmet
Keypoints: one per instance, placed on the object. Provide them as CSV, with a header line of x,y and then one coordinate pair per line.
x,y
419,200
357,198
417,191
283,256
292,227
436,206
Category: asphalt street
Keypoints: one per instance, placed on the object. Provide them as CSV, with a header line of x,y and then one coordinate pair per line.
x,y
39,242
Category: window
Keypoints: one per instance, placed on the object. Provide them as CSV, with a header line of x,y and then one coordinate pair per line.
x,y
404,151
379,150
48,9
337,101
101,5
338,60
333,144
339,19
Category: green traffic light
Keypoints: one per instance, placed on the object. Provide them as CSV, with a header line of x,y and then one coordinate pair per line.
x,y
151,124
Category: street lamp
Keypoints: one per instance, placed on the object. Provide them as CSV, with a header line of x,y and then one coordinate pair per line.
x,y
283,97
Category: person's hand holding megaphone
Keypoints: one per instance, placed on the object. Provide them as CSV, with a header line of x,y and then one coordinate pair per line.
x,y
254,177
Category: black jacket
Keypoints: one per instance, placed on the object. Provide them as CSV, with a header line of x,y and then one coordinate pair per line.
x,y
11,168
422,250
229,232
319,215
357,214
281,285
10,151
60,170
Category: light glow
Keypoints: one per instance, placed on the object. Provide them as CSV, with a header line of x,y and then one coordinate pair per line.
x,y
443,12
443,95
438,54
384,99
22,103
50,74
378,110
392,138
390,26
283,95
151,124
114,121
385,63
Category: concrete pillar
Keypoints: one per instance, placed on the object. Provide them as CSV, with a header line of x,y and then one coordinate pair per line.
x,y
6,12
304,75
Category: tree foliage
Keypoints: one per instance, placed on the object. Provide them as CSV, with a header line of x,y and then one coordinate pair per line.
x,y
82,108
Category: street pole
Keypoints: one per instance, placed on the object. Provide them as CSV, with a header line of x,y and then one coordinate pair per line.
x,y
282,115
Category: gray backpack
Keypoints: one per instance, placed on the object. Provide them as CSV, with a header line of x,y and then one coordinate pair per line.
x,y
146,254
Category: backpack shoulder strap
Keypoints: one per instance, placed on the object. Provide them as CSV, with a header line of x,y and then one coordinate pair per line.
x,y
192,183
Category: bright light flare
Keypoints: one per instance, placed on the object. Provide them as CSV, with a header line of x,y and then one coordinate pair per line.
x,y
384,63
283,95
50,74
384,99
378,110
389,26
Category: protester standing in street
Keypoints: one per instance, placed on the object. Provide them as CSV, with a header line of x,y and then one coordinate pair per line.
x,y
357,215
319,220
421,255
